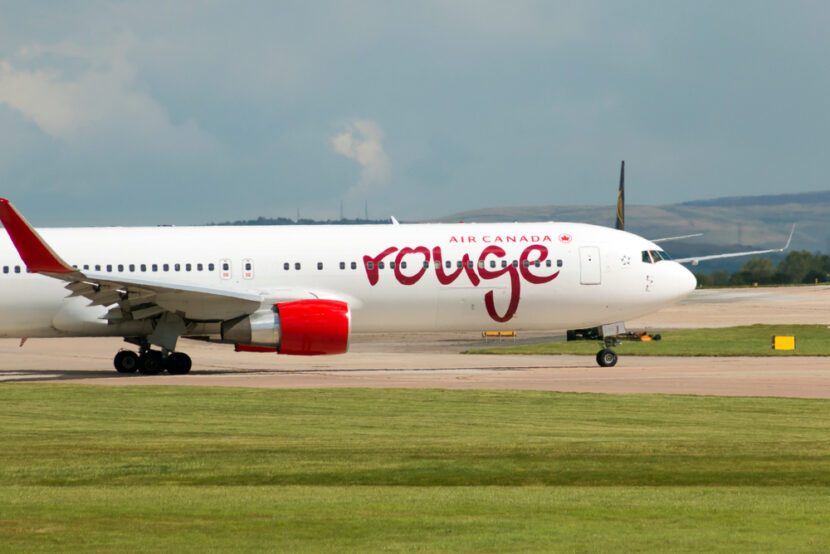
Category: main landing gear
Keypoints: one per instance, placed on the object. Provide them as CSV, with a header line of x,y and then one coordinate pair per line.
x,y
607,357
152,362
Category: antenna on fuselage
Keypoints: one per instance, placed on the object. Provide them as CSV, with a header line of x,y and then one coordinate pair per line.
x,y
620,223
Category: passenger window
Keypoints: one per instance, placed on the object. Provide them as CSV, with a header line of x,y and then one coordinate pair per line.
x,y
177,267
5,269
525,263
558,263
187,267
155,267
380,265
120,268
109,268
537,263
297,266
200,267
492,263
481,264
319,265
515,263
97,267
211,267
426,264
86,267
286,266
448,264
370,265
403,265
226,266
342,265
17,269
504,263
165,267
132,267
143,267
391,265
459,264
354,265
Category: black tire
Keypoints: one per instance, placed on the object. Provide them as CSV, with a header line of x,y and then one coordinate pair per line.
x,y
606,358
657,337
126,361
150,363
178,363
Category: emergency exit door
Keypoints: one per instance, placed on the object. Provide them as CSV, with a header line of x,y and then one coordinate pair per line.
x,y
590,272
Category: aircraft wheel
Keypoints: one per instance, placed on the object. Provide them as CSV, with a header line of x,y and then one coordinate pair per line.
x,y
126,361
150,363
178,363
606,357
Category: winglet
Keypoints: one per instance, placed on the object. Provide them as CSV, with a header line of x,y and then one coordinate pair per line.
x,y
790,239
37,255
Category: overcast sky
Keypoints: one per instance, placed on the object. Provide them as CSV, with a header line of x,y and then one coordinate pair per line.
x,y
189,112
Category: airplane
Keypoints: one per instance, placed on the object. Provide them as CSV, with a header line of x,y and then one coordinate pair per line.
x,y
301,290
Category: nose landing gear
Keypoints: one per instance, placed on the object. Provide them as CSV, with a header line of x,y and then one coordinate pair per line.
x,y
606,357
152,362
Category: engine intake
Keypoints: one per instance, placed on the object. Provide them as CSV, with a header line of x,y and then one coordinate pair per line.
x,y
300,328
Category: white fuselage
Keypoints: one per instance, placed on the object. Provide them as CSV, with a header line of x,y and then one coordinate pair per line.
x,y
600,275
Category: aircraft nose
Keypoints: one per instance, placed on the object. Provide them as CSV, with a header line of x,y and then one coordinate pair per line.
x,y
686,281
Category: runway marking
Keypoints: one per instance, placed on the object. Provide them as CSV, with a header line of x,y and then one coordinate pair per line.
x,y
13,376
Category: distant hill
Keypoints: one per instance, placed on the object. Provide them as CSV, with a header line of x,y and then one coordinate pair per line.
x,y
822,197
727,224
286,221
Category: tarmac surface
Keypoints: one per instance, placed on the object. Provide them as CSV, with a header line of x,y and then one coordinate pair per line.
x,y
434,361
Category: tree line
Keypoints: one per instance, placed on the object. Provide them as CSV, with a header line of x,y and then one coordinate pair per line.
x,y
797,267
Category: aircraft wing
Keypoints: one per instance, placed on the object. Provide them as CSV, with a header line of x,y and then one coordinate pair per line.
x,y
695,259
135,298
681,237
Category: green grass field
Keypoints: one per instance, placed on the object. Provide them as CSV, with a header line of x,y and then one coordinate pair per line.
x,y
97,468
748,340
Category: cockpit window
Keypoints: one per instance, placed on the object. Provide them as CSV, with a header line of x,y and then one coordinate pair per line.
x,y
654,256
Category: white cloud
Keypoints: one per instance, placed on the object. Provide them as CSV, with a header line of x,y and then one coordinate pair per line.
x,y
362,142
100,104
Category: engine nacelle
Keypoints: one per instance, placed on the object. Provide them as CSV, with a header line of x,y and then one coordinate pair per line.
x,y
300,328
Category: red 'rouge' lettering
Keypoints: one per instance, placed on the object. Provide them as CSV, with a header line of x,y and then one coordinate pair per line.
x,y
443,278
446,279
543,255
372,270
515,285
516,273
411,279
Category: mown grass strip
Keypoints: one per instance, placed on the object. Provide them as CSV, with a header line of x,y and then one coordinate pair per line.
x,y
403,519
189,468
748,340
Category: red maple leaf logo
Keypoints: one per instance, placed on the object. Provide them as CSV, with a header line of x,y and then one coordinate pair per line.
x,y
565,237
